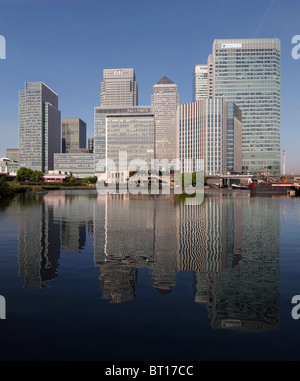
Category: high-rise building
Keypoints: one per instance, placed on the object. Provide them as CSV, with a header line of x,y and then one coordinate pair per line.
x,y
165,102
73,134
247,72
39,126
210,130
200,82
91,145
13,154
119,88
129,129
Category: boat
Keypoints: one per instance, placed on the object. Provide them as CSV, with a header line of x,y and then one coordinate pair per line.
x,y
240,186
274,188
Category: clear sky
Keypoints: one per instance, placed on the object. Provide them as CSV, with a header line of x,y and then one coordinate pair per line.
x,y
67,43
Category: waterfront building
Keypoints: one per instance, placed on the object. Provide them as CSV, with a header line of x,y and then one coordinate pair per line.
x,y
119,88
78,163
8,166
73,134
13,154
211,131
165,103
247,72
39,127
129,129
200,82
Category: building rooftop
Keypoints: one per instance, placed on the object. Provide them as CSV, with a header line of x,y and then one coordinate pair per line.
x,y
165,81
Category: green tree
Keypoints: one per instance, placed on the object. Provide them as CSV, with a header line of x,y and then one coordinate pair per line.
x,y
23,175
91,180
27,174
6,189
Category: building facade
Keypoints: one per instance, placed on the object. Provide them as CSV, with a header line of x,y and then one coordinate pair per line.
x,y
13,154
79,164
247,72
200,82
73,133
91,145
165,103
129,129
210,130
119,88
39,127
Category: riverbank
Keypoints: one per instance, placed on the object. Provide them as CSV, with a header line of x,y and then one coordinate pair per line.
x,y
10,189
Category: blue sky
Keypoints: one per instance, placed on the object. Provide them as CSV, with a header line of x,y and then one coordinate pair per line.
x,y
67,43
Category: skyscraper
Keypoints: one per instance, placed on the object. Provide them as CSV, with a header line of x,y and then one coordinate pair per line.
x,y
165,102
200,82
129,129
73,134
91,145
247,72
210,130
119,88
39,126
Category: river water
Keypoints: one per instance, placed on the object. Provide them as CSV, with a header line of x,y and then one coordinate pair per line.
x,y
119,277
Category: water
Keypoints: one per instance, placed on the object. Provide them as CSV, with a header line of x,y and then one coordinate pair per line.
x,y
89,277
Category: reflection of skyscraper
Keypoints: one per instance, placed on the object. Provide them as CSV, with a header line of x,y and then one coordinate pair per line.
x,y
39,245
118,282
203,236
164,268
132,240
73,236
246,297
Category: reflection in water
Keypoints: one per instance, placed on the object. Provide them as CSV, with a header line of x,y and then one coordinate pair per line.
x,y
233,254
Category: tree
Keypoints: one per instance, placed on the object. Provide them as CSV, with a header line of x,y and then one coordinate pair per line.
x,y
91,180
5,188
27,174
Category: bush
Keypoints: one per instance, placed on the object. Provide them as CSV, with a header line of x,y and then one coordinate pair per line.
x,y
91,180
6,190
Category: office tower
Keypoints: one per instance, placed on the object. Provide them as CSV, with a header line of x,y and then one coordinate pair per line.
x,y
209,76
73,134
234,139
39,126
200,82
13,154
210,130
119,88
247,72
91,145
165,102
129,129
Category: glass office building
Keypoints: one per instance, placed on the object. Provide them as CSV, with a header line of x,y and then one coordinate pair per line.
x,y
165,103
39,127
80,164
119,88
73,134
247,72
210,130
129,129
200,82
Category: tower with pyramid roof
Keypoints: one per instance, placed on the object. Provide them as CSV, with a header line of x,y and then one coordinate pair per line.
x,y
165,103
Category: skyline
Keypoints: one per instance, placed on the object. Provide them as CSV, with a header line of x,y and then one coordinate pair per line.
x,y
70,51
